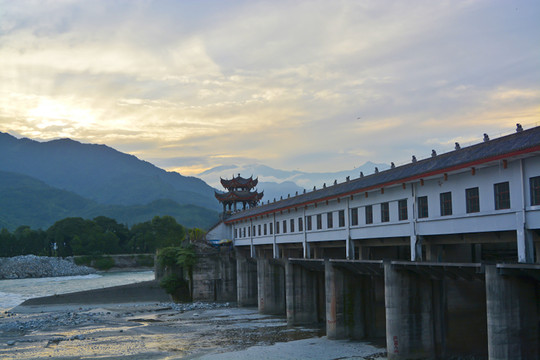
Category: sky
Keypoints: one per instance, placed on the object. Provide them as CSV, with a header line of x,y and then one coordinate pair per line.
x,y
296,85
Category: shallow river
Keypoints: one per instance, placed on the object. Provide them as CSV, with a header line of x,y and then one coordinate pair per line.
x,y
14,292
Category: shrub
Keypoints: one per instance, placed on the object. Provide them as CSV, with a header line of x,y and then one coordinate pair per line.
x,y
83,260
175,286
145,260
104,263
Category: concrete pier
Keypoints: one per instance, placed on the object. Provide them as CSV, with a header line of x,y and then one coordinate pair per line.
x,y
271,286
246,270
513,313
350,298
305,295
409,314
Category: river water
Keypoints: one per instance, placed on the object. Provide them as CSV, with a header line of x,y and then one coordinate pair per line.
x,y
13,292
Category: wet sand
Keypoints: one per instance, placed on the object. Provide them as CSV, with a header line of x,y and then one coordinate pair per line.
x,y
157,330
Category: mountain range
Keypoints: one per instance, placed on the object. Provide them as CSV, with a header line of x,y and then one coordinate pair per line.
x,y
277,183
43,182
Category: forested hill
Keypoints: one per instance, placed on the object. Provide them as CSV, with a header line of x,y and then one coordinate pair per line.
x,y
100,173
28,201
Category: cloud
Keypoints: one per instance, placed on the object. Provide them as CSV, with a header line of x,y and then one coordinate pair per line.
x,y
303,84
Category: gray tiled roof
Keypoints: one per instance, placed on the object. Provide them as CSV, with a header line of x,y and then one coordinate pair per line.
x,y
470,155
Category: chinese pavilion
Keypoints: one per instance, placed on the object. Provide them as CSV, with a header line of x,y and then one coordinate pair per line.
x,y
239,191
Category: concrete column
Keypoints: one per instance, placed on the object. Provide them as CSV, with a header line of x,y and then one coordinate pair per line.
x,y
512,316
271,286
301,295
344,303
246,276
409,319
525,245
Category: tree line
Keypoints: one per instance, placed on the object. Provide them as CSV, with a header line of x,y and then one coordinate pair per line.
x,y
100,236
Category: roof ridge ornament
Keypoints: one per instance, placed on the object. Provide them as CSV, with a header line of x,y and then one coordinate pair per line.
x,y
486,137
414,159
519,128
457,147
433,153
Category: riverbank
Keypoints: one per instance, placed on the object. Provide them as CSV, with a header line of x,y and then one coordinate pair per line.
x,y
31,266
209,331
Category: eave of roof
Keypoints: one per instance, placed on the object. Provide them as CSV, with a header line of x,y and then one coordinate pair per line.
x,y
516,144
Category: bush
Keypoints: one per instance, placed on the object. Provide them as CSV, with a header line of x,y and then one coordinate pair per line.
x,y
104,263
145,260
176,286
83,260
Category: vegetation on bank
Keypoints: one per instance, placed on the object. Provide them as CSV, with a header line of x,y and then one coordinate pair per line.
x,y
178,261
100,236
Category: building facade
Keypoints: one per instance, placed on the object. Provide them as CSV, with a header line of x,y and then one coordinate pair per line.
x,y
478,203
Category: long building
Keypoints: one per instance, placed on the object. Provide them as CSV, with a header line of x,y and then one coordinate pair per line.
x,y
476,203
435,256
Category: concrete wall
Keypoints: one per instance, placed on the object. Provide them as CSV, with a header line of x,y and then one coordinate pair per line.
x,y
214,277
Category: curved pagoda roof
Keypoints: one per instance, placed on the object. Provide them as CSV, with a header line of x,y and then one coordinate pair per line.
x,y
239,195
239,183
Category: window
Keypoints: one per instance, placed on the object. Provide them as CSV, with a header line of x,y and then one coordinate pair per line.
x,y
472,200
354,216
385,212
277,227
244,232
292,225
308,223
535,190
319,222
300,224
259,229
284,226
329,220
446,203
265,229
271,228
341,218
369,214
402,209
236,233
254,231
422,207
249,230
502,195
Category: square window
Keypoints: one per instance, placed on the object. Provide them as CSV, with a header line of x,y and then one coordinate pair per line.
x,y
369,214
385,212
446,203
502,195
472,200
422,207
535,190
402,207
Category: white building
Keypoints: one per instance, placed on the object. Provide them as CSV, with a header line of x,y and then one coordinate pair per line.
x,y
477,203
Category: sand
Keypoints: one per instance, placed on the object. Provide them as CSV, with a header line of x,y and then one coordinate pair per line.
x,y
160,330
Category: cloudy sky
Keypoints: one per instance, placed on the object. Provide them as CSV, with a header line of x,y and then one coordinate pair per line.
x,y
307,85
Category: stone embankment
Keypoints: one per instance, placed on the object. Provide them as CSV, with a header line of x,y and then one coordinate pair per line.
x,y
31,266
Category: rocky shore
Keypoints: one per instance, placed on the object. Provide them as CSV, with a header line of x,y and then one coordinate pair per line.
x,y
31,266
